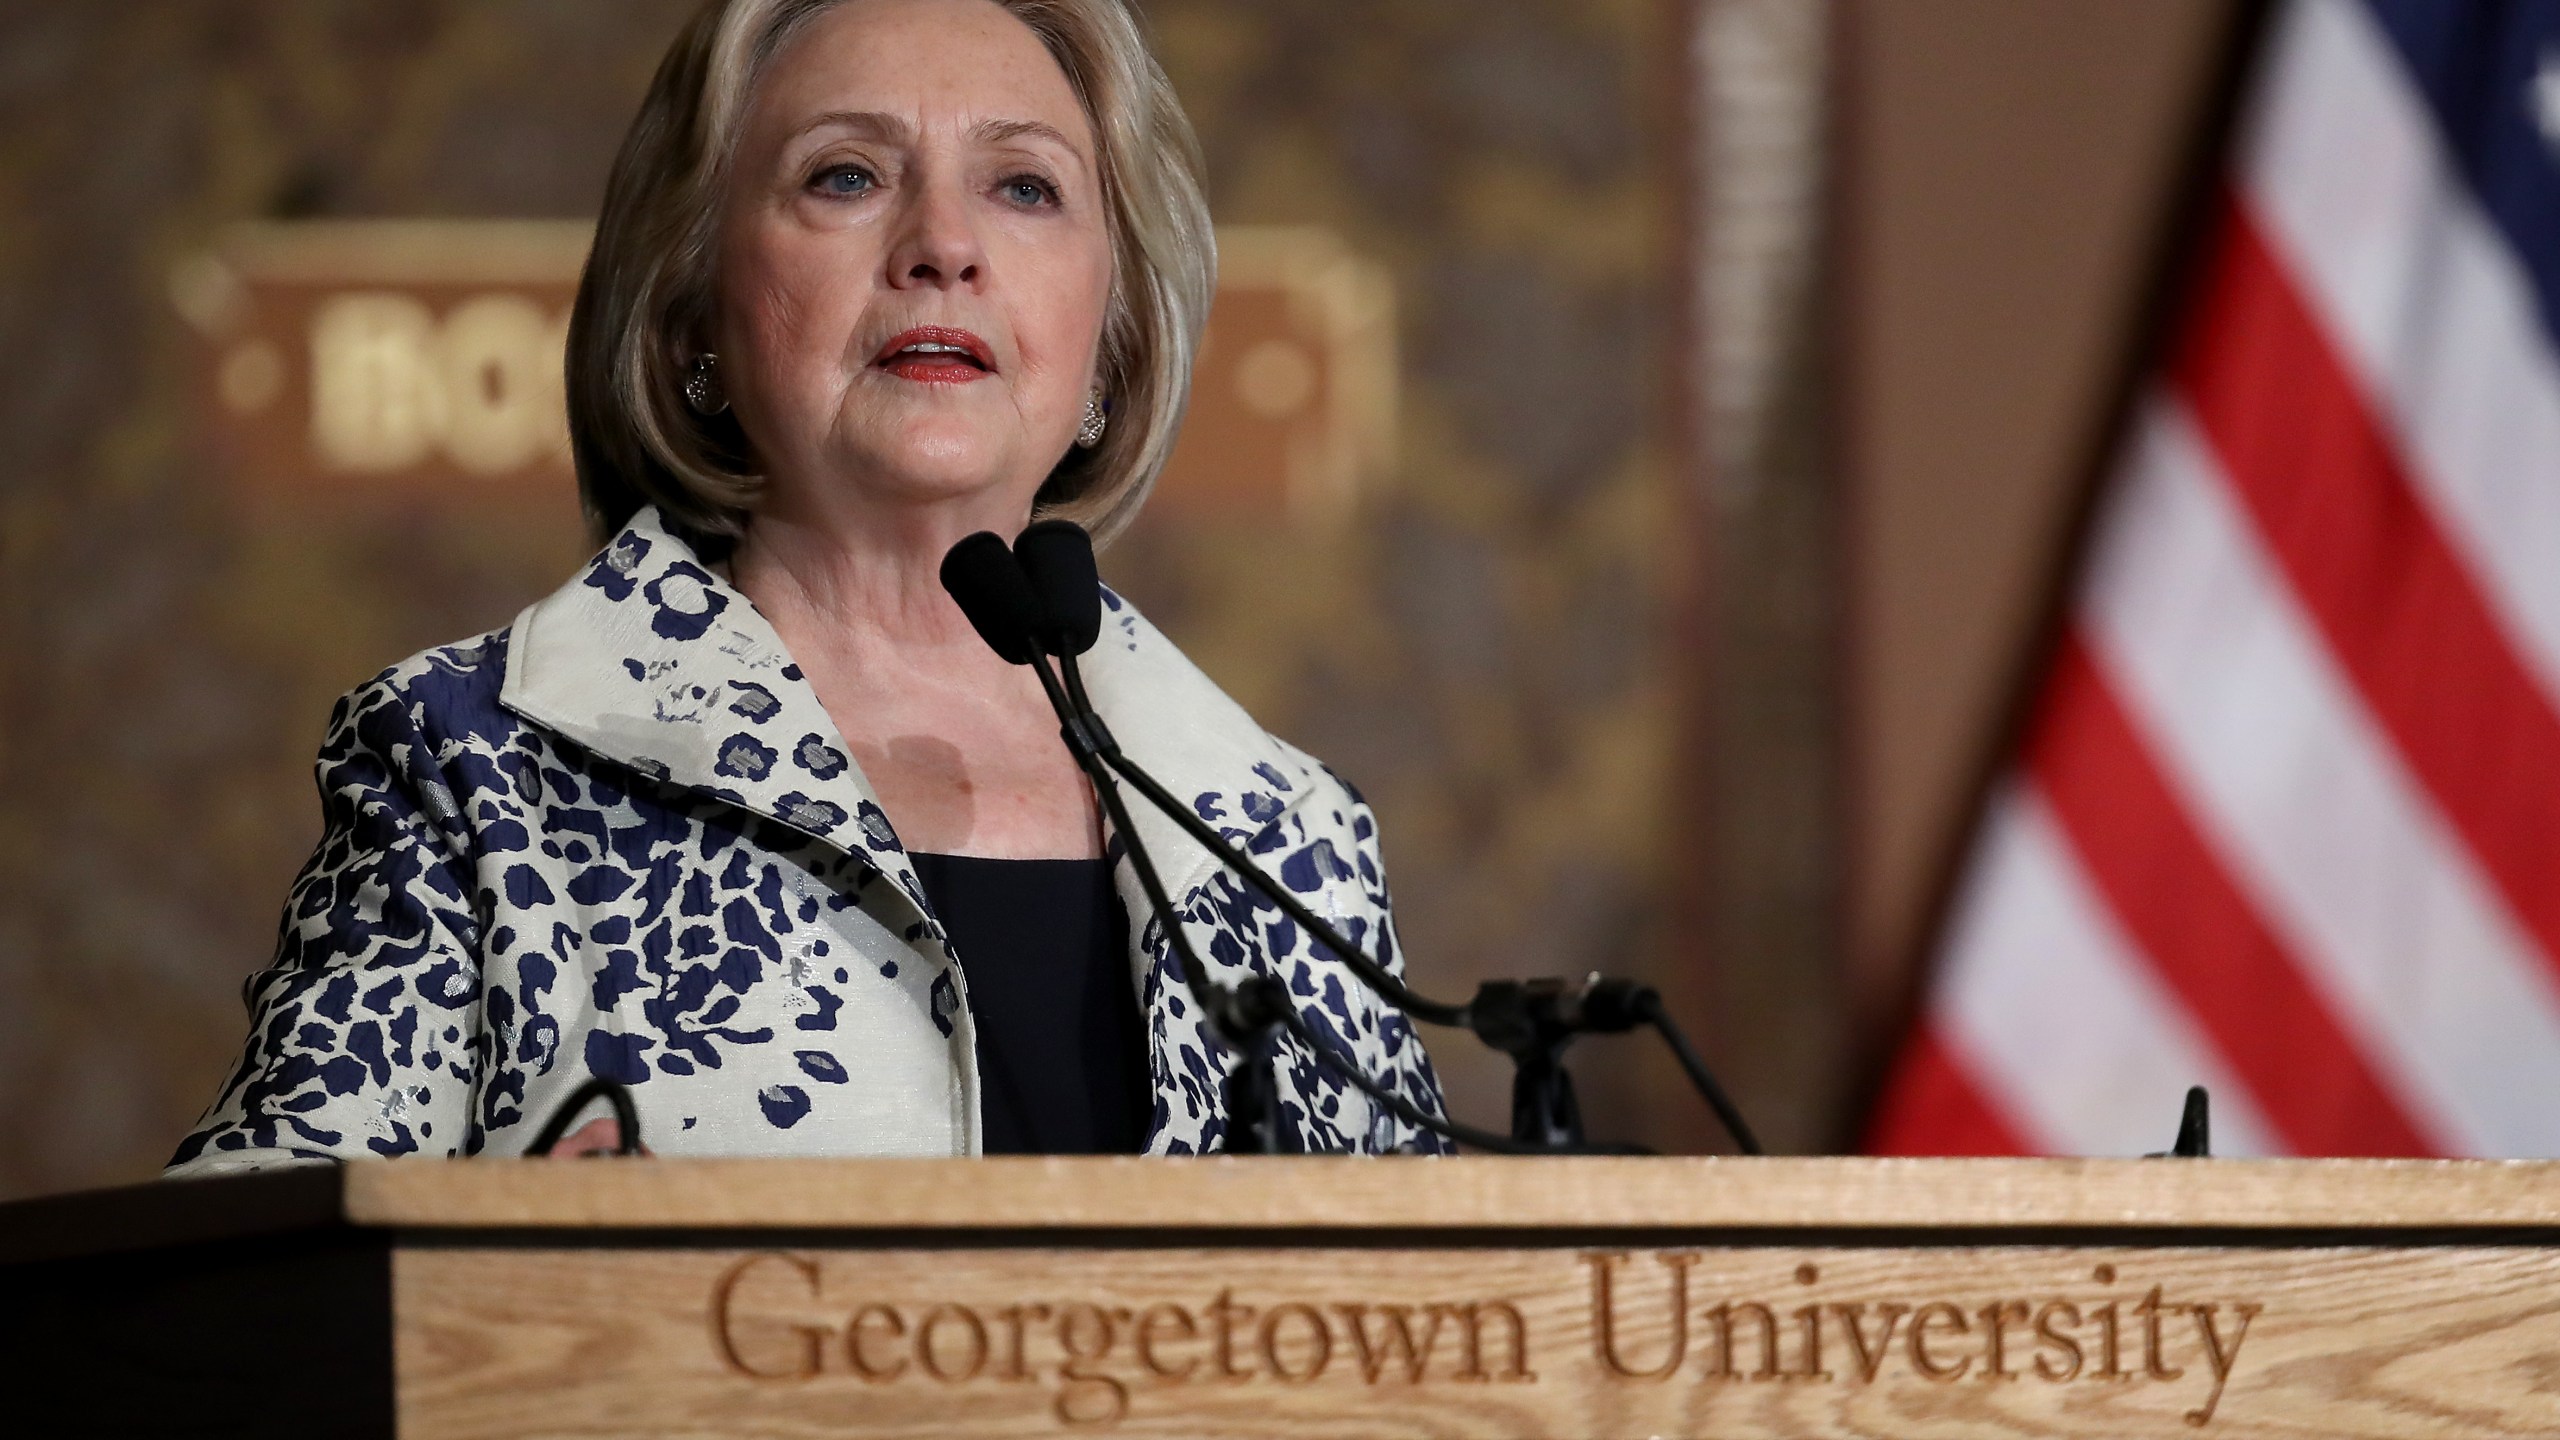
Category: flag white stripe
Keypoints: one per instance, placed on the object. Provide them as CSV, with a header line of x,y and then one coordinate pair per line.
x,y
2418,290
2048,1006
2298,790
2310,807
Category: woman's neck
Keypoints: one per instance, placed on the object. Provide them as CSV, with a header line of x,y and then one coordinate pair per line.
x,y
959,746
865,585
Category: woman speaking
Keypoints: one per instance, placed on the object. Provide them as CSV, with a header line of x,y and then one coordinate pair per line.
x,y
745,817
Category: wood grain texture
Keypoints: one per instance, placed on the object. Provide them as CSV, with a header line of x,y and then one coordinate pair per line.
x,y
1589,1195
1592,1193
1589,1299
2341,1342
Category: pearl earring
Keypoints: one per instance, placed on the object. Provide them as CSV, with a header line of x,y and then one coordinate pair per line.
x,y
1097,418
702,388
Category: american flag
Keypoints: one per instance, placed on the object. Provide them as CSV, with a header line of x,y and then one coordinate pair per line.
x,y
2286,819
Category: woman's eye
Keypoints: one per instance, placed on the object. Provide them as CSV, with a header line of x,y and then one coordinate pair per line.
x,y
1028,191
843,180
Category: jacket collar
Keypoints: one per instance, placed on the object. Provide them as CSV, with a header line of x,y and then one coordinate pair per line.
x,y
1197,742
652,659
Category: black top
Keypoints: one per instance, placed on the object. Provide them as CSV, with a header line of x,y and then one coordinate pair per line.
x,y
1062,1056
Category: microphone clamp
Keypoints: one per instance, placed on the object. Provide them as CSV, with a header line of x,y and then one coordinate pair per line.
x,y
1085,734
1532,1021
1518,1016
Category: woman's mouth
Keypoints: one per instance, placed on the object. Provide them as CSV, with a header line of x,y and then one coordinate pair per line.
x,y
932,355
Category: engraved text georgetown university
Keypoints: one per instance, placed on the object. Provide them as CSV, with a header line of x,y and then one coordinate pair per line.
x,y
1648,1324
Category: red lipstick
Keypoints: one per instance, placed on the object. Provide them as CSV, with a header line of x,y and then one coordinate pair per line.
x,y
936,355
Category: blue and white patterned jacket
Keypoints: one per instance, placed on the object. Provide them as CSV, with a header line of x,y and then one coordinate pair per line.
x,y
621,837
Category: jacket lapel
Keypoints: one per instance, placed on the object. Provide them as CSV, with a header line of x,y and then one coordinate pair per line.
x,y
1202,747
1176,723
651,659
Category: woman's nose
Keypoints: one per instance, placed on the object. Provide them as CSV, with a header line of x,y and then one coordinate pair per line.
x,y
938,246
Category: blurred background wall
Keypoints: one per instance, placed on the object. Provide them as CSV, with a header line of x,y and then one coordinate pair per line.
x,y
1746,358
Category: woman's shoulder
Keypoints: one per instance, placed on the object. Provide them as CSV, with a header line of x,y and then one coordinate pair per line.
x,y
430,732
449,692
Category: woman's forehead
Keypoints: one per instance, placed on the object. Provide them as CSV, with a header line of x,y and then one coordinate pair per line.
x,y
904,66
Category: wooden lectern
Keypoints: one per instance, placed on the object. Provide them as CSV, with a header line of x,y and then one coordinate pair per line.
x,y
1579,1299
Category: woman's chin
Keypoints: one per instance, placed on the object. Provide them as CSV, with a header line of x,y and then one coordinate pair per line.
x,y
932,476
934,457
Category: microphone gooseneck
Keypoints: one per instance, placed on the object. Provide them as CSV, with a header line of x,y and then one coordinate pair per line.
x,y
1053,563
991,589
1057,556
1532,1021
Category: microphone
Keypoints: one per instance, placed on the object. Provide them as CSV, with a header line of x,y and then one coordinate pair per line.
x,y
990,585
1056,557
991,589
1530,1020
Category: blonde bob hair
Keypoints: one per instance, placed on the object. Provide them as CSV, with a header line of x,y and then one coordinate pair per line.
x,y
648,282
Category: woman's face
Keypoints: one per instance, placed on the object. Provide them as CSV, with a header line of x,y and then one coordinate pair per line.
x,y
913,266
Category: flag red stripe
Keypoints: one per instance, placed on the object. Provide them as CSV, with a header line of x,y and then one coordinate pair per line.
x,y
2175,898
1932,1107
2329,493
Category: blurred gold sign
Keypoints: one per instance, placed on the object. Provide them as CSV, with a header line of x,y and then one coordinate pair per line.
x,y
355,357
346,359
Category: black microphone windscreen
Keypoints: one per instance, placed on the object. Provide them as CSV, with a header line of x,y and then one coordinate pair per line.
x,y
1058,557
988,583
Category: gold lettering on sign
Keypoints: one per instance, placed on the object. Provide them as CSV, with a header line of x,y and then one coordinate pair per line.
x,y
501,360
392,385
375,399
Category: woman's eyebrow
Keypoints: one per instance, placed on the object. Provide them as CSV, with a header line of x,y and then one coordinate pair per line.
x,y
894,129
999,131
876,124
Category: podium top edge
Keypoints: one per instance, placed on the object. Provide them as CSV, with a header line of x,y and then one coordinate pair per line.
x,y
1563,1200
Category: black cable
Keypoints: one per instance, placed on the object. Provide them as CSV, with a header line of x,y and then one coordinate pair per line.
x,y
1649,1005
1414,1115
993,589
1379,979
1216,1008
616,1094
1274,1001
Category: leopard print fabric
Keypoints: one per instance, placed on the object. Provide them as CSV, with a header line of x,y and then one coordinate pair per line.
x,y
622,838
